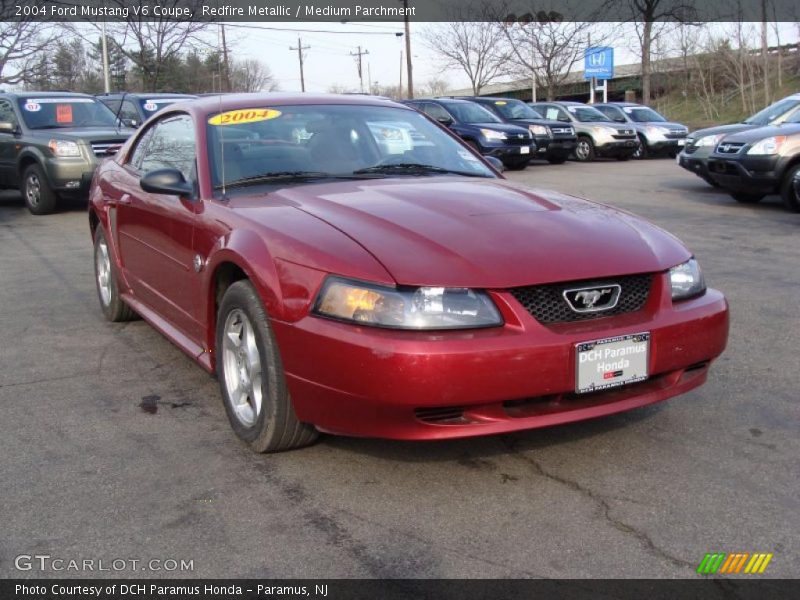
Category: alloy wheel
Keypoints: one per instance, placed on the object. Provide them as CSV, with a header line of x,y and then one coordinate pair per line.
x,y
242,368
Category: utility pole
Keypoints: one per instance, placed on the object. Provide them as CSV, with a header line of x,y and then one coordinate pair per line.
x,y
400,89
408,52
358,56
106,76
226,76
300,49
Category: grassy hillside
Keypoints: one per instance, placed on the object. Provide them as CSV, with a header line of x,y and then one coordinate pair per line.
x,y
690,112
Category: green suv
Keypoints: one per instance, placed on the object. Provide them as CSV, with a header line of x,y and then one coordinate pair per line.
x,y
51,142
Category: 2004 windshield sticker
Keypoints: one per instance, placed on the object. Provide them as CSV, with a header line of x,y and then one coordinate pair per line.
x,y
247,115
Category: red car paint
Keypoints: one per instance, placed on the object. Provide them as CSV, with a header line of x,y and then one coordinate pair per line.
x,y
439,231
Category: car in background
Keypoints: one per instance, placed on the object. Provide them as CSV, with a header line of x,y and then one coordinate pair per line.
x,y
51,143
656,134
480,129
701,143
374,277
135,108
598,136
754,163
555,141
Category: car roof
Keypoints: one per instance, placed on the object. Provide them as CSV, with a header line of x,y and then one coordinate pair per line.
x,y
144,94
223,102
28,94
620,104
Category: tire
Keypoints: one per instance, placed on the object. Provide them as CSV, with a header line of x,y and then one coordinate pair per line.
x,y
556,160
251,375
39,196
642,151
584,150
789,193
105,279
745,198
516,165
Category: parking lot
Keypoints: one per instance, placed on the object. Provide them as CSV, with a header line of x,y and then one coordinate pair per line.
x,y
115,445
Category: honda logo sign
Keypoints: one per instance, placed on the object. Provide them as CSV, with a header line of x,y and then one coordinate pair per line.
x,y
599,63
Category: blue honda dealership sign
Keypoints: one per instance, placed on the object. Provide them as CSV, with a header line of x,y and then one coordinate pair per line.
x,y
599,63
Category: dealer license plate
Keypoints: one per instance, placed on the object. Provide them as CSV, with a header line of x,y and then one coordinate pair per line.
x,y
525,150
611,362
681,142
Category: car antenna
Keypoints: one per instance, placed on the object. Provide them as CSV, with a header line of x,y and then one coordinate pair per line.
x,y
221,134
117,122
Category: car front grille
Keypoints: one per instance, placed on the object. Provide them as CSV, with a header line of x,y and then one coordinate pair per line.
x,y
518,139
546,303
562,131
676,134
101,147
730,147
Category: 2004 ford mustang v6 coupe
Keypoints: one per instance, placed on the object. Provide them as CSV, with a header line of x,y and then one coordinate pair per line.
x,y
346,265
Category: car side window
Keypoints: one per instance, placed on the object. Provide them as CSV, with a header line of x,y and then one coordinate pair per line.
x,y
138,151
7,114
129,112
612,113
437,112
172,146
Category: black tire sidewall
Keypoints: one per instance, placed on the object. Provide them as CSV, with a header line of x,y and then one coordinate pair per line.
x,y
788,193
241,295
47,197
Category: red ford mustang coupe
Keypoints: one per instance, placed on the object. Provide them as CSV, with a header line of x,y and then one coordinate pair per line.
x,y
346,265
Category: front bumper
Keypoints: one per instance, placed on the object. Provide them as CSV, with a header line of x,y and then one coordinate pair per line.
x,y
509,152
557,148
70,175
748,174
371,382
695,164
617,147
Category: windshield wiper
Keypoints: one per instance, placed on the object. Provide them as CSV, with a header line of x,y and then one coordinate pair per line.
x,y
281,176
414,169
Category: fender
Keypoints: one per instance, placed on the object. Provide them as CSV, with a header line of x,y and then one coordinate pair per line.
x,y
31,154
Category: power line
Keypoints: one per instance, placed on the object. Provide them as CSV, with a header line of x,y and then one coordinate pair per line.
x,y
242,26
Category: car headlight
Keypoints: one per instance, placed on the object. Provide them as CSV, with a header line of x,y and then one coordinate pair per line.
x,y
537,129
490,134
709,140
64,148
687,280
409,308
770,145
604,129
656,130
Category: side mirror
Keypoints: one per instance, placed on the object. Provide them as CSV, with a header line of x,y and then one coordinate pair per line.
x,y
446,121
7,127
166,181
496,163
620,120
130,123
563,119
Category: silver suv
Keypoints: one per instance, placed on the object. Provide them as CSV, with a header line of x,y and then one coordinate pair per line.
x,y
656,134
597,134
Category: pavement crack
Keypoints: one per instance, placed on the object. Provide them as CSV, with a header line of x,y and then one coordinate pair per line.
x,y
601,502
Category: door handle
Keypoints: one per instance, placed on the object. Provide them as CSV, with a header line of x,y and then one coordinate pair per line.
x,y
125,199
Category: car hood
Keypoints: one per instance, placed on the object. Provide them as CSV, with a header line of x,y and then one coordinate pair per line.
x,y
666,124
464,232
750,136
84,133
726,129
547,122
505,127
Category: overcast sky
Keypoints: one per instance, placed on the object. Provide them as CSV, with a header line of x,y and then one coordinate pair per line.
x,y
328,61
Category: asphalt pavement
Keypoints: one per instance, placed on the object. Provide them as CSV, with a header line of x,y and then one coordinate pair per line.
x,y
115,446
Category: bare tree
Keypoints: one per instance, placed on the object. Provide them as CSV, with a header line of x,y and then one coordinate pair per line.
x,y
151,42
472,46
20,42
547,50
252,75
436,86
650,17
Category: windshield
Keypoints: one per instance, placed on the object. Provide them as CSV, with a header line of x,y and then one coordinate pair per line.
x,y
587,114
302,141
151,105
468,112
515,109
773,111
53,112
642,114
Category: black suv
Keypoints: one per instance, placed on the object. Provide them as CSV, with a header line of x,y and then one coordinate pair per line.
x,y
51,142
555,141
597,134
753,163
481,129
135,108
701,143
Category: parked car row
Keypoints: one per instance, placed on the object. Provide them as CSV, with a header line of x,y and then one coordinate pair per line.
x,y
752,159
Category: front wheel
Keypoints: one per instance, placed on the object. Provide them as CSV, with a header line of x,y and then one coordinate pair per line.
x,y
790,188
39,196
584,151
642,151
516,165
745,198
251,375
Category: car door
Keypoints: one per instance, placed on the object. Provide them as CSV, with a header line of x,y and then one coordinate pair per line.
x,y
155,231
8,145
